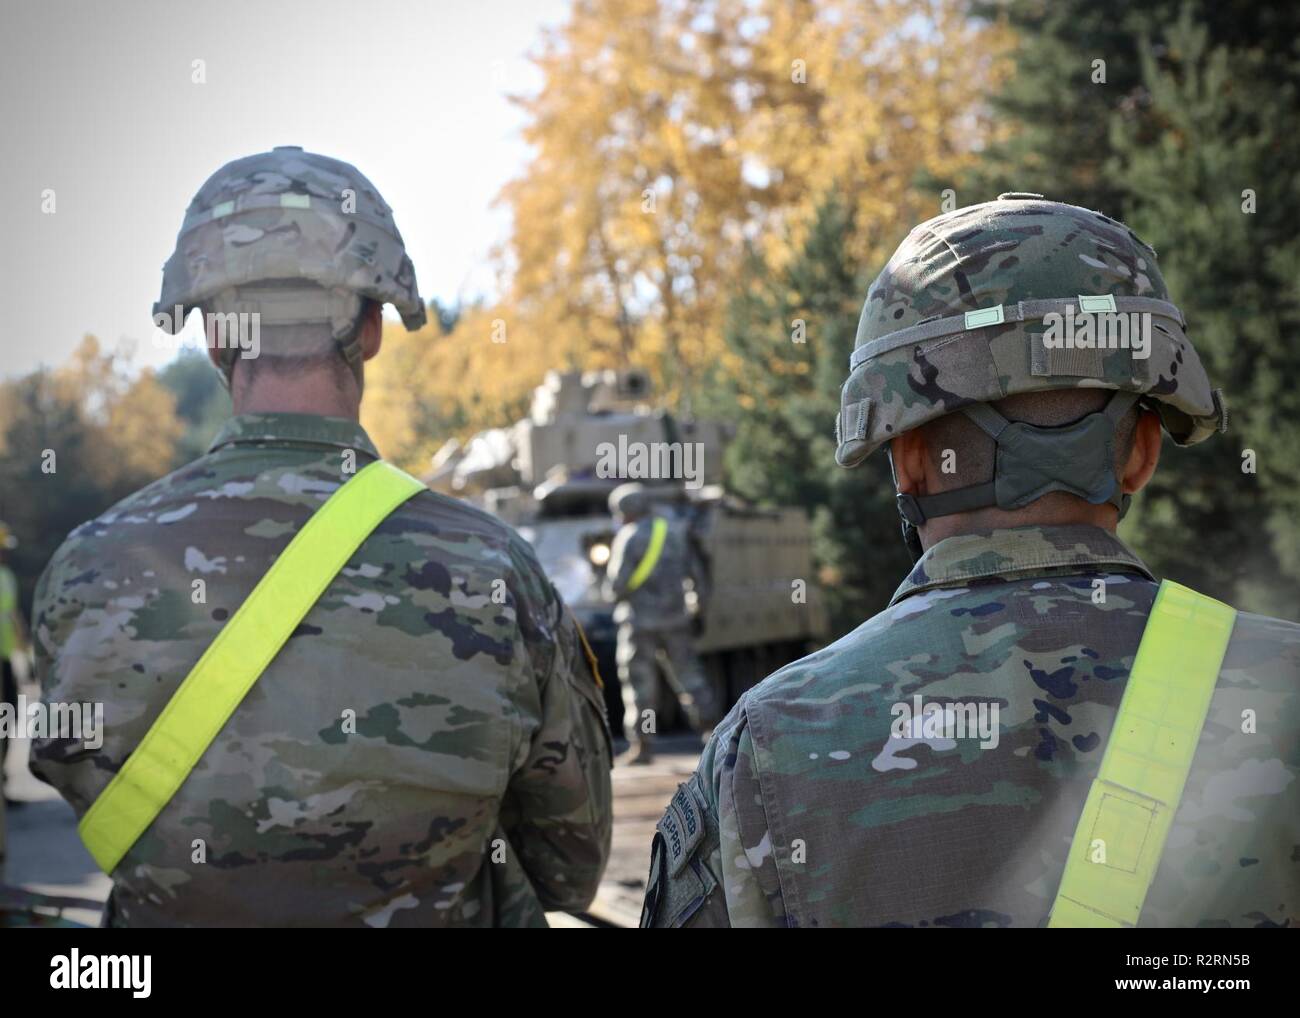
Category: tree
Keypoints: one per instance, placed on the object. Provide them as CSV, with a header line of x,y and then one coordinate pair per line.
x,y
671,137
202,403
72,443
1211,177
1194,116
793,329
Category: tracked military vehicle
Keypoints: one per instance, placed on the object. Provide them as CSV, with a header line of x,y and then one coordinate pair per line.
x,y
550,475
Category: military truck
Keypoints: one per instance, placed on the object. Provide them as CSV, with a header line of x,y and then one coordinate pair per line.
x,y
550,476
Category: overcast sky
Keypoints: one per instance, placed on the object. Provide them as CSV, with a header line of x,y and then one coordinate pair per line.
x,y
97,104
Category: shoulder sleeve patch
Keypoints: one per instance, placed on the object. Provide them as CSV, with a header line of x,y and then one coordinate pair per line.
x,y
682,827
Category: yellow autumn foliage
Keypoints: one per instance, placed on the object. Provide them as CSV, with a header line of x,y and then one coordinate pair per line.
x,y
131,419
668,138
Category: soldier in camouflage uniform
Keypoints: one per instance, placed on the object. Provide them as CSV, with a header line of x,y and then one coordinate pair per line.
x,y
812,806
429,747
653,620
11,645
13,634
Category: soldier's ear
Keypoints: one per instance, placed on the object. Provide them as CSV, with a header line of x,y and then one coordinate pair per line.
x,y
372,330
909,454
1144,456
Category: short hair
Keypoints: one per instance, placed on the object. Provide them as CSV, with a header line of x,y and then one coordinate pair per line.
x,y
974,449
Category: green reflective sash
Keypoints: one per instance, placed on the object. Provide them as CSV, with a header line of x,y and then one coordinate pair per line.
x,y
658,534
1132,802
8,609
233,662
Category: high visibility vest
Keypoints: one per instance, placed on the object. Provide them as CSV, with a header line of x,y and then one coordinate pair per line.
x,y
658,535
1132,802
230,666
8,613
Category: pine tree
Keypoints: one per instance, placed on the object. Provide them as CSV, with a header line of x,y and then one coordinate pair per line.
x,y
1211,178
793,329
1194,120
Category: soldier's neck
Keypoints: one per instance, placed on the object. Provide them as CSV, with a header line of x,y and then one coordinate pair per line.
x,y
319,392
1056,509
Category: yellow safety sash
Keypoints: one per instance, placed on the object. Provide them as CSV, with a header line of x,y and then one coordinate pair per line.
x,y
233,662
658,534
8,608
1121,834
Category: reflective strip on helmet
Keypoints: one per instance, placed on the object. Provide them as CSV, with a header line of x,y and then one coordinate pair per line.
x,y
984,317
1121,834
255,202
658,534
1022,311
1096,305
230,666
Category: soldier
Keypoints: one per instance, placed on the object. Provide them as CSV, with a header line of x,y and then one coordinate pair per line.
x,y
941,765
649,563
13,644
427,744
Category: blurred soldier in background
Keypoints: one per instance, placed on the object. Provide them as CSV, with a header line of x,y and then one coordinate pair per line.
x,y
13,635
649,563
427,746
13,647
1088,782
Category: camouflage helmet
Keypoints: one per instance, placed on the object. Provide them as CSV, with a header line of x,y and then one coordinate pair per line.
x,y
1013,296
629,500
957,317
295,236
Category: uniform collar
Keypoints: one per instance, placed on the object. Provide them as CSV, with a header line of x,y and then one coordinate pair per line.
x,y
294,429
1016,553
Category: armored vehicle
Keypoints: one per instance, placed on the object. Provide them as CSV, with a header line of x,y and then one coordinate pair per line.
x,y
550,476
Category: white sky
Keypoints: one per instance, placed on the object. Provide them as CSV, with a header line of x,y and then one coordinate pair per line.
x,y
97,103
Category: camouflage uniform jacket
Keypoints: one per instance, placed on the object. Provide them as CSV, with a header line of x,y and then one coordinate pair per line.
x,y
429,748
660,601
806,812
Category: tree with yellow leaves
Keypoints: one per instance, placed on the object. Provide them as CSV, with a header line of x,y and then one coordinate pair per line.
x,y
75,440
671,138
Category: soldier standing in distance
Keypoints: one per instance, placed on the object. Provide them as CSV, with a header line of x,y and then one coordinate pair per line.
x,y
12,643
429,746
649,563
813,807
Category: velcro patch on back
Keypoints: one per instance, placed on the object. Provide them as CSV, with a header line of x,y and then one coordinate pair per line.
x,y
1069,363
1118,350
682,826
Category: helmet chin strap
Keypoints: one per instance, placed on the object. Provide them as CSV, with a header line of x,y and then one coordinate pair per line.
x,y
1029,462
911,537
